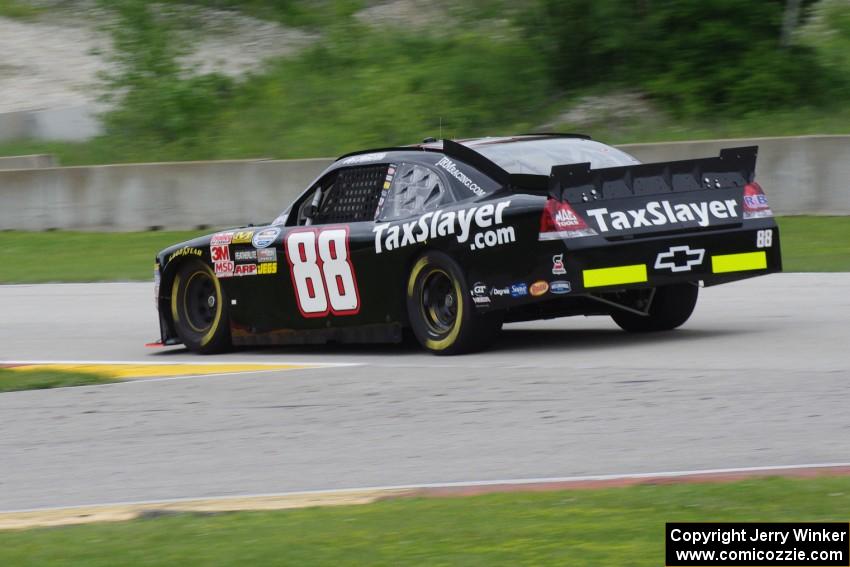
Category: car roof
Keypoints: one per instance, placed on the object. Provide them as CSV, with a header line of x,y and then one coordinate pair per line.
x,y
432,144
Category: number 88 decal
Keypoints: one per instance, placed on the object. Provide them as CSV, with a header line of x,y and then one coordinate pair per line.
x,y
322,273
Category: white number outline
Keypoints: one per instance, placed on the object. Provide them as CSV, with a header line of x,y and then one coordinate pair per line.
x,y
329,309
764,239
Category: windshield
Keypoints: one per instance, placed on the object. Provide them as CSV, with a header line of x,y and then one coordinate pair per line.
x,y
538,156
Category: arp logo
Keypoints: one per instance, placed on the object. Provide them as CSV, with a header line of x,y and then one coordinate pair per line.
x,y
679,258
245,270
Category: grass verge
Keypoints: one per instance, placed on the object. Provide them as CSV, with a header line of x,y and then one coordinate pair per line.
x,y
815,244
618,526
19,10
16,380
809,244
38,257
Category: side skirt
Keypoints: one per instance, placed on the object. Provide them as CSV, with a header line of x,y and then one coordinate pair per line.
x,y
386,333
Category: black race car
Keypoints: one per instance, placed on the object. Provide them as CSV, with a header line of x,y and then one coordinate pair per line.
x,y
450,239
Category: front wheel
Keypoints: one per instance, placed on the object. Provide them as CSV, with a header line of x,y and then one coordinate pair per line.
x,y
671,306
442,316
199,309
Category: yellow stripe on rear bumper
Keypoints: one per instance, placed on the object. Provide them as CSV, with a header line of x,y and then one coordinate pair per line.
x,y
738,262
615,276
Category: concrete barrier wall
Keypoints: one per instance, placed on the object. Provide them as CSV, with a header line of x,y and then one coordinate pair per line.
x,y
141,196
800,175
34,161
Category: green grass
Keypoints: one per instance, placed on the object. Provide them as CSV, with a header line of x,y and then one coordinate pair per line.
x,y
815,244
35,257
18,10
809,244
15,380
317,137
623,526
799,122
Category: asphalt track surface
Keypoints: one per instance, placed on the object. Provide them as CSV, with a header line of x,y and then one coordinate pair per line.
x,y
760,376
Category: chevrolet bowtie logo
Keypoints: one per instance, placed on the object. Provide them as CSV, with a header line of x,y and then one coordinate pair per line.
x,y
679,259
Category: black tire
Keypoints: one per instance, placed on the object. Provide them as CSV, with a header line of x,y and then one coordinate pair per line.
x,y
671,306
199,309
442,316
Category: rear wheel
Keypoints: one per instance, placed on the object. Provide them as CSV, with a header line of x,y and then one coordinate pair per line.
x,y
442,317
199,309
671,306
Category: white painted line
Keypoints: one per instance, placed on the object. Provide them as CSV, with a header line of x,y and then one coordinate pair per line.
x,y
462,484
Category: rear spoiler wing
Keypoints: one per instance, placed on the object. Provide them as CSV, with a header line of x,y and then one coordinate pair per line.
x,y
578,183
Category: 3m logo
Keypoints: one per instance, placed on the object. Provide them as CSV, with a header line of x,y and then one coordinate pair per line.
x,y
679,258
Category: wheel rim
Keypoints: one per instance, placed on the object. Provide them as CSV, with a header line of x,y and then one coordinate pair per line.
x,y
200,302
439,303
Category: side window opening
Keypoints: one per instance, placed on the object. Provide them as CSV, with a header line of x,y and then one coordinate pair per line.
x,y
348,195
416,189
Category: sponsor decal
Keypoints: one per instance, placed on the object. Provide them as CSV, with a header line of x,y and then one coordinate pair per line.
x,y
558,268
464,224
245,270
755,202
660,213
363,158
679,258
480,294
220,253
266,255
185,251
500,291
224,268
538,288
245,255
450,166
221,238
519,290
566,219
388,180
242,237
267,268
560,287
265,237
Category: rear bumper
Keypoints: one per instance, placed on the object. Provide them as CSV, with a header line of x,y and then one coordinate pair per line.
x,y
576,267
712,257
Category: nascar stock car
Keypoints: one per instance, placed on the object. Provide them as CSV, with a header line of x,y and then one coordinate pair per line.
x,y
451,239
